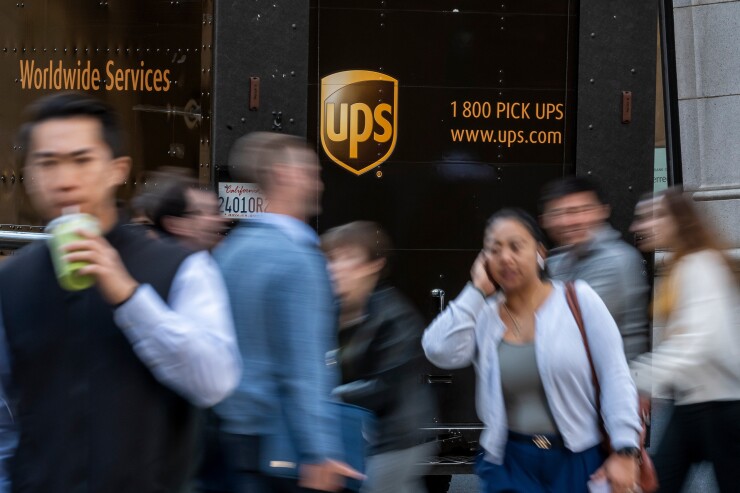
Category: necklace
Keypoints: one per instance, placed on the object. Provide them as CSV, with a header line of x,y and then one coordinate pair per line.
x,y
517,328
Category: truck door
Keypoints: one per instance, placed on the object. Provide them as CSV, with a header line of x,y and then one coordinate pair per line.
x,y
151,61
430,115
428,120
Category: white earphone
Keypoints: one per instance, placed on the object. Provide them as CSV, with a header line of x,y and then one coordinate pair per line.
x,y
540,261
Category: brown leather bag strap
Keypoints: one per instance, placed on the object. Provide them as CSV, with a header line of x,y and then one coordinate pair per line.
x,y
575,308
648,478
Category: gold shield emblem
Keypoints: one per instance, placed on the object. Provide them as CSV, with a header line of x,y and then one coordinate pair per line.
x,y
359,115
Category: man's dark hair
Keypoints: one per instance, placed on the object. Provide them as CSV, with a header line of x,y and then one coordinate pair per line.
x,y
70,105
167,198
568,186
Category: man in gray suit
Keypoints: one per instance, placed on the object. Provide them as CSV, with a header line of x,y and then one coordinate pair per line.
x,y
575,217
285,319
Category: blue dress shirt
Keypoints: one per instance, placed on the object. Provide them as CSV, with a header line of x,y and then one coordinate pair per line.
x,y
285,320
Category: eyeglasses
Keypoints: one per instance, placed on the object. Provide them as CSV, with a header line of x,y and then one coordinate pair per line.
x,y
200,212
571,211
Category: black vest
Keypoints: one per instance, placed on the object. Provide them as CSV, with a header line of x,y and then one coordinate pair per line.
x,y
91,416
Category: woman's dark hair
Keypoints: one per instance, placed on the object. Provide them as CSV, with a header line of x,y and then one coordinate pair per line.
x,y
71,105
367,235
522,217
693,231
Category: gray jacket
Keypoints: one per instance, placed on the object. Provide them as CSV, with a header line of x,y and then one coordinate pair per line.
x,y
616,272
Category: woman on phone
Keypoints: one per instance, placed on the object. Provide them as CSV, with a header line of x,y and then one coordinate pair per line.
x,y
698,362
534,387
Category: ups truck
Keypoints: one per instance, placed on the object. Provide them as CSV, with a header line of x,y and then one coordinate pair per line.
x,y
427,115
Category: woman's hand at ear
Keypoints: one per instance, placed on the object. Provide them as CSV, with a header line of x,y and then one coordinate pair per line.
x,y
480,277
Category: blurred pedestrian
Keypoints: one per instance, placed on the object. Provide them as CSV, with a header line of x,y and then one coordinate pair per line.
x,y
104,381
535,392
379,355
286,322
698,362
177,208
575,217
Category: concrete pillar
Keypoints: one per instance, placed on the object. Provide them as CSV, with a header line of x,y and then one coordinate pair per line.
x,y
708,75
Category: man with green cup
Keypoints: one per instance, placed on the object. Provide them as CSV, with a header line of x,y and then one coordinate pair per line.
x,y
105,360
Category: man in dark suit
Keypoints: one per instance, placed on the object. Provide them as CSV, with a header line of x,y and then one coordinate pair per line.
x,y
285,318
104,381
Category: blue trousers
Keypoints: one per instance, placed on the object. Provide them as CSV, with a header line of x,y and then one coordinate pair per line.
x,y
528,469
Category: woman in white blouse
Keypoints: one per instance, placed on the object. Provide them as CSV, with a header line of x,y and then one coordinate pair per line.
x,y
534,384
698,362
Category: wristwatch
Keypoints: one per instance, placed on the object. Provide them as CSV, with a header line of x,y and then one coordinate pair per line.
x,y
633,452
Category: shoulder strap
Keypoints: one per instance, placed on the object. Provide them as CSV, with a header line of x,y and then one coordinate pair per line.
x,y
575,308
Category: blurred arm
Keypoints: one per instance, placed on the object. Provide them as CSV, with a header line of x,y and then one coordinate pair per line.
x,y
604,278
303,321
620,283
449,342
619,403
701,308
189,345
398,347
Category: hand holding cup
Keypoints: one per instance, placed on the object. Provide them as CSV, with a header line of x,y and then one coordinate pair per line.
x,y
103,263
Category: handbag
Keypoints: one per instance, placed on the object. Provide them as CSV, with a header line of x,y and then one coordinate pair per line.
x,y
647,478
278,456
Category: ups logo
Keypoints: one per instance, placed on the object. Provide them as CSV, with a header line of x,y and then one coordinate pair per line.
x,y
359,114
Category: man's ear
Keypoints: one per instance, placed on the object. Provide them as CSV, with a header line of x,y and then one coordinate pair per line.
x,y
377,265
281,175
29,179
33,191
606,212
121,169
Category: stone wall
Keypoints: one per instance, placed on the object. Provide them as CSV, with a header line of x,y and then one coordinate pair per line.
x,y
708,75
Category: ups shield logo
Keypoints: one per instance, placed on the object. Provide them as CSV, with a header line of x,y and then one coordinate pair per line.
x,y
359,114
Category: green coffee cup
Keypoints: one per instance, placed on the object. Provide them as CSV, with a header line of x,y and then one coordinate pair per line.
x,y
64,230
